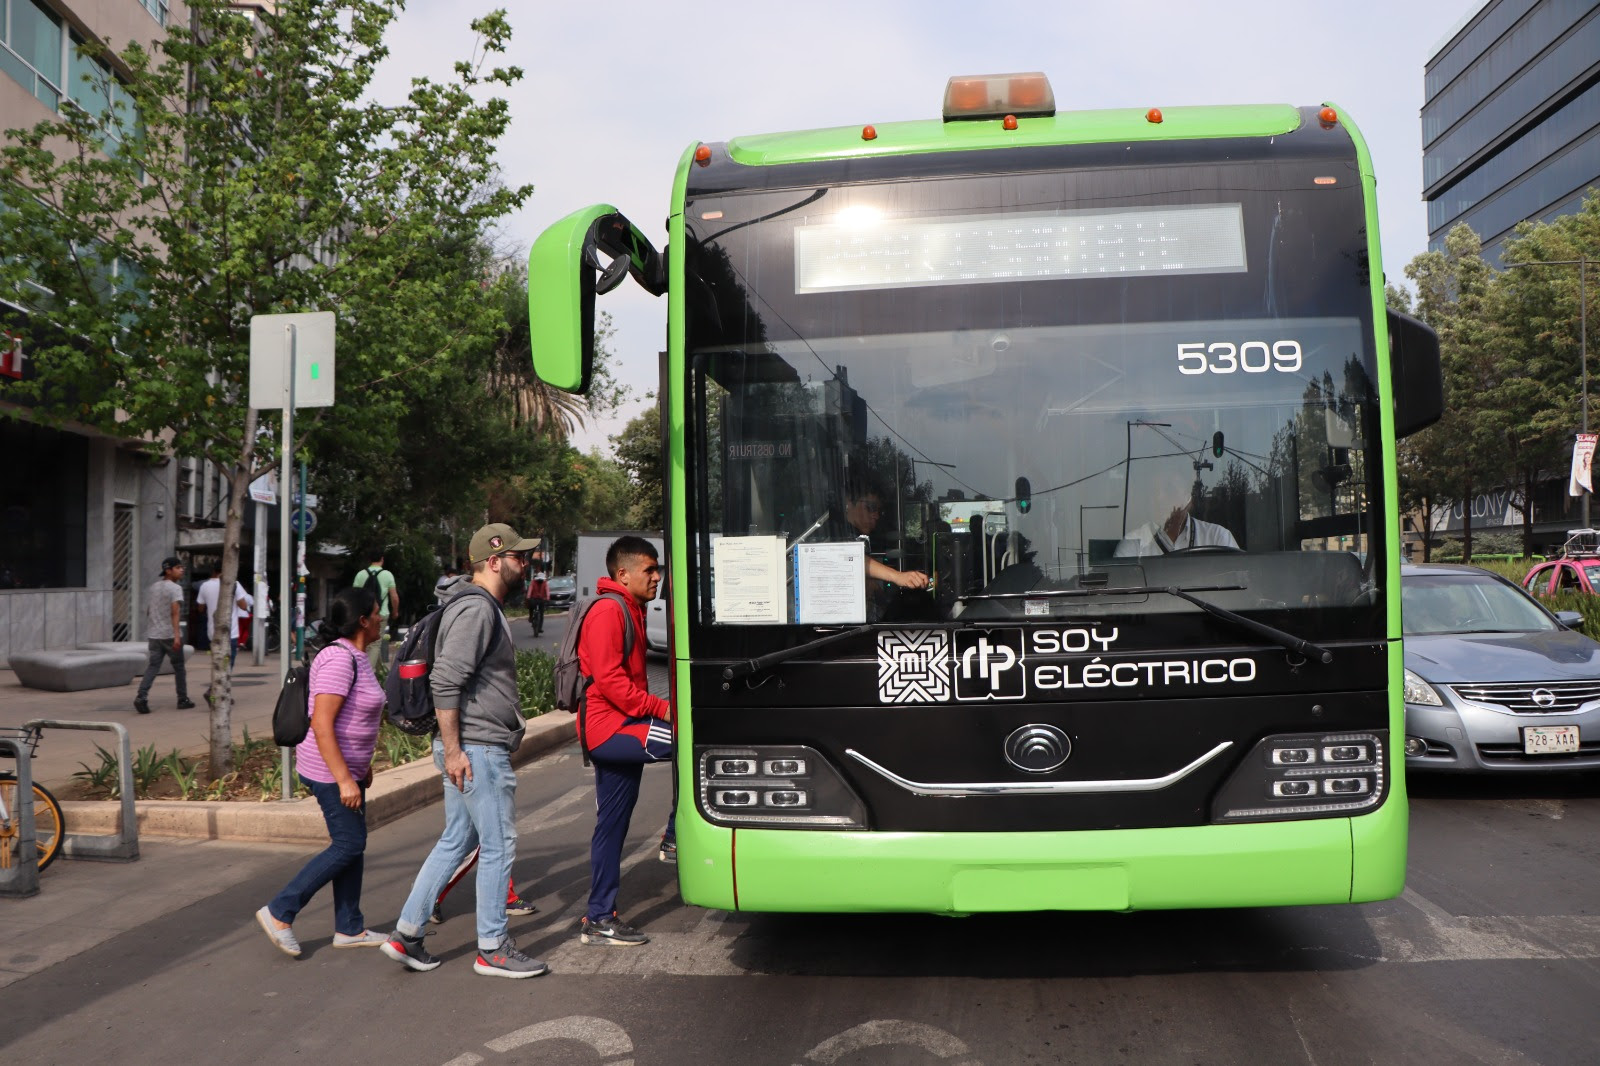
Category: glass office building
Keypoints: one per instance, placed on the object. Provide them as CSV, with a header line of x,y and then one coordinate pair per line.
x,y
1511,118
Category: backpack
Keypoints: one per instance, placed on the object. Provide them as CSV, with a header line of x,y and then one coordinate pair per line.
x,y
291,717
409,686
572,685
370,578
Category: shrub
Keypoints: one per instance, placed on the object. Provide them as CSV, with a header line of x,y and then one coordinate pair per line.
x,y
536,682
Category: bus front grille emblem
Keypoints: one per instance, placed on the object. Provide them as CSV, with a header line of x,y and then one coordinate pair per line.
x,y
1037,749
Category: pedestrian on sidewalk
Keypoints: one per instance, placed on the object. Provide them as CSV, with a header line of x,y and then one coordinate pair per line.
x,y
383,587
624,726
538,600
474,686
210,594
335,761
163,604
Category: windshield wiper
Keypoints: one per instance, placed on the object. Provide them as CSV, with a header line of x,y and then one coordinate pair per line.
x,y
1285,640
751,666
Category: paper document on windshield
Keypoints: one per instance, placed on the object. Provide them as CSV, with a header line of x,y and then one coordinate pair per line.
x,y
830,583
748,579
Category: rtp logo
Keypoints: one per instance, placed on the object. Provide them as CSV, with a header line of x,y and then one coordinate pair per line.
x,y
989,665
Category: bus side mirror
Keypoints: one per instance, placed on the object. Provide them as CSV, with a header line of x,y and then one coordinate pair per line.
x,y
586,253
1415,375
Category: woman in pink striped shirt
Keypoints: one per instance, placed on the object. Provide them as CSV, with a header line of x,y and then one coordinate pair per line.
x,y
335,762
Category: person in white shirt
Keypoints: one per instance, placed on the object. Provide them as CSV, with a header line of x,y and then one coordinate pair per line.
x,y
207,594
1178,530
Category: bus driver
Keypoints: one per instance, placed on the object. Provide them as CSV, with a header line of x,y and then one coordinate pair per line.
x,y
1179,529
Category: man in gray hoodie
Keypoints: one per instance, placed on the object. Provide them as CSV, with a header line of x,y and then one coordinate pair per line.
x,y
474,683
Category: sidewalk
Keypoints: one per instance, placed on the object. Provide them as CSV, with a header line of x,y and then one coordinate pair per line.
x,y
255,692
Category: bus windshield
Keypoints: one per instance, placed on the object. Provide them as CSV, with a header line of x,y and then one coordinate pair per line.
x,y
1038,389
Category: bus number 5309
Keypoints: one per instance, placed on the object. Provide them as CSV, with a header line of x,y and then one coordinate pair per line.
x,y
1225,357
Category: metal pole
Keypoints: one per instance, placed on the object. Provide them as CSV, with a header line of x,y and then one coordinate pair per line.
x,y
300,569
285,603
1583,355
258,622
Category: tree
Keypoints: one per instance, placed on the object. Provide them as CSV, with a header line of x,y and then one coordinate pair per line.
x,y
1464,452
253,174
1538,317
638,450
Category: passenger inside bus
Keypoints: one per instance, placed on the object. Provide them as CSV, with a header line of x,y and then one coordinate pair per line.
x,y
1174,528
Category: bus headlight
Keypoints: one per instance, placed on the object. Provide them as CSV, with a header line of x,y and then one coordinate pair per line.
x,y
779,786
1305,776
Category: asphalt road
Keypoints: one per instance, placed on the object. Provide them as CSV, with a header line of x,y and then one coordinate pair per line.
x,y
1491,956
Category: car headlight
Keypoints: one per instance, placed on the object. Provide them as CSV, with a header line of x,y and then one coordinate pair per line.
x,y
1419,691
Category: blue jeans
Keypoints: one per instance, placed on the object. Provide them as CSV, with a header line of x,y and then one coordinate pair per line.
x,y
618,768
483,815
340,863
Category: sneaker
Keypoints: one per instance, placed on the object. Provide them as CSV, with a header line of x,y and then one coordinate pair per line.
x,y
408,951
185,703
282,939
516,906
142,706
610,930
364,939
669,851
437,917
506,961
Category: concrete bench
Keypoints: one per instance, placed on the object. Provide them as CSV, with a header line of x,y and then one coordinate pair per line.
x,y
139,648
73,669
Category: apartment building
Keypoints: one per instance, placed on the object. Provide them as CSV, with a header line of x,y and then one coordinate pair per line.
x,y
85,517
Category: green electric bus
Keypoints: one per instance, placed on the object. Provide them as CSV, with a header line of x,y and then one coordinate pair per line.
x,y
1032,538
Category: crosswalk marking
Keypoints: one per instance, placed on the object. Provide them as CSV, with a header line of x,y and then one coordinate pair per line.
x,y
1423,932
1446,937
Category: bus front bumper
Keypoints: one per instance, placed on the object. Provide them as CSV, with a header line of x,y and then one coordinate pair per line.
x,y
1333,860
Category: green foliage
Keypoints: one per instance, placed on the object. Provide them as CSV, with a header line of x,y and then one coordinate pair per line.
x,y
249,746
536,682
148,768
1509,342
183,774
258,175
638,449
270,781
102,778
401,748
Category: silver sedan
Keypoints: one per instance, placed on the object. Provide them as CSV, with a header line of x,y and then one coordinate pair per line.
x,y
1494,682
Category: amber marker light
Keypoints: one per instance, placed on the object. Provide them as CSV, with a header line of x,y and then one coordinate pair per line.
x,y
1329,118
869,133
1324,181
1009,122
982,96
1153,115
702,155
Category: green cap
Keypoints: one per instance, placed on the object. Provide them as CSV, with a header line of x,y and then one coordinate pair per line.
x,y
497,538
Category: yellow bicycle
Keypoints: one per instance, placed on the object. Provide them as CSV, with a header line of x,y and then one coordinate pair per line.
x,y
48,822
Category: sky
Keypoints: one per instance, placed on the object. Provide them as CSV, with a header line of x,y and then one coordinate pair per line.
x,y
613,93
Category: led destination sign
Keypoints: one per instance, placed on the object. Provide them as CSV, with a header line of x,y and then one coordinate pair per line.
x,y
866,251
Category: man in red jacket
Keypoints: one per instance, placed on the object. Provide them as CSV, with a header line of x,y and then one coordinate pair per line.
x,y
624,727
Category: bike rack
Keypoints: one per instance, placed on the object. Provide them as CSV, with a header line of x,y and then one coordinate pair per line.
x,y
21,878
118,847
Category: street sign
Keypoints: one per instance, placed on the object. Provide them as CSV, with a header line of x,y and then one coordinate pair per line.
x,y
264,489
270,337
303,522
